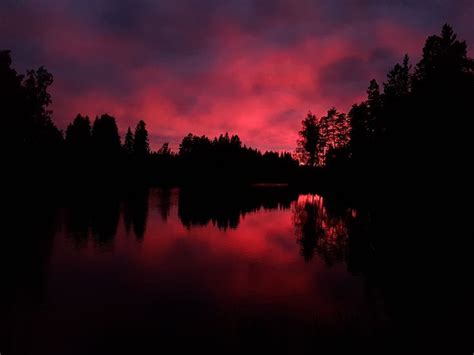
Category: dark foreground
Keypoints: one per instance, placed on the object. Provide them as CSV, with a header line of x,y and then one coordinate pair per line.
x,y
261,270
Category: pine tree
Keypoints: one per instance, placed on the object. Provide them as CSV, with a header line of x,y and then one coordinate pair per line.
x,y
141,146
309,139
129,142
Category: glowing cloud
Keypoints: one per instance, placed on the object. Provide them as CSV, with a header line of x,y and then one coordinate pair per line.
x,y
253,68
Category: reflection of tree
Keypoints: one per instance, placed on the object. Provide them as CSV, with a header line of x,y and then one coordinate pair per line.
x,y
224,208
92,214
320,229
105,214
164,205
77,222
199,208
135,212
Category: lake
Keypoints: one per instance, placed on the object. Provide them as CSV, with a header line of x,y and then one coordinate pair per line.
x,y
262,269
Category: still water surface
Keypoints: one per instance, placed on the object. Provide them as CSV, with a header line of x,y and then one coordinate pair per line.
x,y
170,270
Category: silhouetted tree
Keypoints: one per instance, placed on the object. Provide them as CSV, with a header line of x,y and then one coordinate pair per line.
x,y
141,146
78,135
224,159
25,101
341,130
326,135
337,161
413,129
12,100
443,57
78,149
366,124
165,166
164,149
107,151
374,107
333,132
398,84
360,132
309,139
442,100
129,142
105,136
41,130
235,141
32,140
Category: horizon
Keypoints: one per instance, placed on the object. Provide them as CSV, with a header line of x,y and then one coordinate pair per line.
x,y
187,69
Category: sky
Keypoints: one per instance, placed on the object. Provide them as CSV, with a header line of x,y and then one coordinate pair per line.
x,y
247,67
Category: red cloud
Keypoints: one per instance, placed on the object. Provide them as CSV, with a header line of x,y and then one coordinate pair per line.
x,y
242,82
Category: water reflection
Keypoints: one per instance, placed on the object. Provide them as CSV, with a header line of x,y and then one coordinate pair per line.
x,y
261,269
321,229
92,217
164,203
321,226
225,209
135,212
328,228
325,227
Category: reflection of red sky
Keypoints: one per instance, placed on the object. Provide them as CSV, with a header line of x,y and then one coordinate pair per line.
x,y
194,282
257,266
253,264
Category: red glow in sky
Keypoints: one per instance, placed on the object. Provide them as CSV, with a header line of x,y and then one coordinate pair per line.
x,y
252,68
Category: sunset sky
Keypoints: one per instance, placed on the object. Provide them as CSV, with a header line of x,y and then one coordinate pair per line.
x,y
249,67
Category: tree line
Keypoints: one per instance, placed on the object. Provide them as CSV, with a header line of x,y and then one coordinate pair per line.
x,y
419,118
94,152
407,132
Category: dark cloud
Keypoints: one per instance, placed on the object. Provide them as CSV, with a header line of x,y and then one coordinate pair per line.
x,y
345,77
285,118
